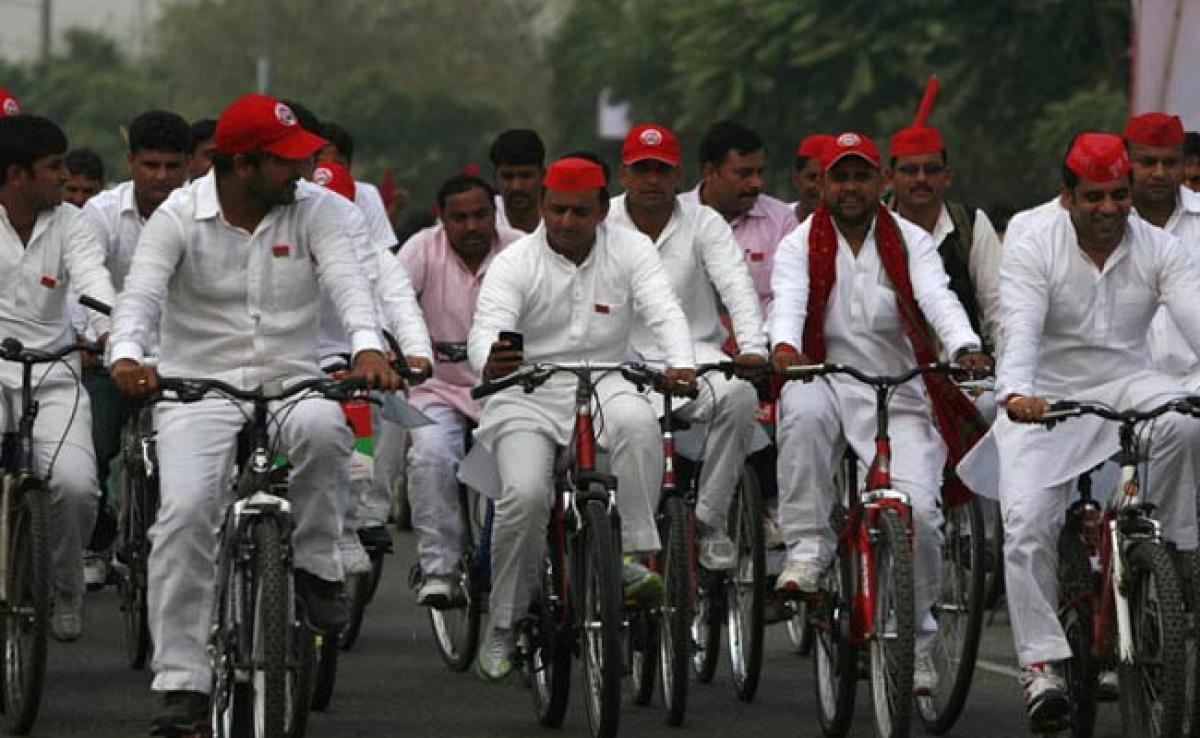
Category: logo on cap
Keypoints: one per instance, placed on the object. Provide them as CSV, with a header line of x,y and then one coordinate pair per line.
x,y
651,137
284,115
11,107
322,176
848,139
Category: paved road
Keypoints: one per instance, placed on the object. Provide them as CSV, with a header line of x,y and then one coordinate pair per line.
x,y
394,684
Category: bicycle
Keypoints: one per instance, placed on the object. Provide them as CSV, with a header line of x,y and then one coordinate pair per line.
x,y
1120,599
869,601
578,606
260,648
25,549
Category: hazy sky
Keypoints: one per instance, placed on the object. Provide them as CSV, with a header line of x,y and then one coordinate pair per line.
x,y
123,20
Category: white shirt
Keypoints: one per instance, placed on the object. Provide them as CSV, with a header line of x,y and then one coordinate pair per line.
x,y
237,305
368,199
1169,350
1070,325
863,327
698,252
1030,219
571,313
35,277
983,265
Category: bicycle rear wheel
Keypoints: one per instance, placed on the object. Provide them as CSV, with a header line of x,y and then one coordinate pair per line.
x,y
835,657
547,639
600,582
358,589
27,610
1153,686
746,588
456,629
641,654
675,622
706,625
1075,600
894,628
137,514
959,614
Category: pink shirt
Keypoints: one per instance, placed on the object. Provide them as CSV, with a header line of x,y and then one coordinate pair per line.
x,y
447,290
758,232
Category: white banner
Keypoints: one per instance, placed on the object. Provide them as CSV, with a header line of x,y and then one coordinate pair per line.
x,y
1166,57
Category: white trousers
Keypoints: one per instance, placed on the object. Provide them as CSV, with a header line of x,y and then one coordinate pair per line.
x,y
196,447
1034,513
372,503
815,423
63,408
729,407
525,458
433,460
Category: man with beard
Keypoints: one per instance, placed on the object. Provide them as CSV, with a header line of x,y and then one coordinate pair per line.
x,y
231,269
857,285
518,157
806,174
919,176
731,179
704,265
447,264
160,145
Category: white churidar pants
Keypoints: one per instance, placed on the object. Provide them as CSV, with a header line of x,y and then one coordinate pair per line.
x,y
433,460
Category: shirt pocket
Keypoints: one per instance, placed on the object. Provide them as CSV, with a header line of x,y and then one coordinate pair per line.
x,y
42,294
885,310
293,278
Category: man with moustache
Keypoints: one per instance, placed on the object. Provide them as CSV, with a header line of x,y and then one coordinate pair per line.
x,y
857,285
518,158
1077,295
806,174
704,264
447,264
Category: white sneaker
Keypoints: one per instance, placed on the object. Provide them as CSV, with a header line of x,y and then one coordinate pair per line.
x,y
714,548
799,577
495,659
66,621
1046,702
95,570
925,676
1108,686
354,557
440,591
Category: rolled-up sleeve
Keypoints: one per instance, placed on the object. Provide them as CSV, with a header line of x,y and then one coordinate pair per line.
x,y
789,284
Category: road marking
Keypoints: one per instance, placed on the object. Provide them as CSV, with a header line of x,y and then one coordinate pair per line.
x,y
995,668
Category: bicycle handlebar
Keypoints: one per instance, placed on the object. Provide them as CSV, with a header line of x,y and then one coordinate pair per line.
x,y
451,352
808,371
532,376
93,304
1065,409
194,390
11,349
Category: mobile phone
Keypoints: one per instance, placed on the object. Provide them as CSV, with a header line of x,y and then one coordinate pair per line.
x,y
515,341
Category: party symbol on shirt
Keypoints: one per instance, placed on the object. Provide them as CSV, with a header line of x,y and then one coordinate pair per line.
x,y
281,251
756,256
48,281
602,308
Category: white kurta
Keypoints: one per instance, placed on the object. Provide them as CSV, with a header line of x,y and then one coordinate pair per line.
x,y
1169,350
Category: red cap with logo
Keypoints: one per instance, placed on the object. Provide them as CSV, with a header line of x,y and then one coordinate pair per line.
x,y
849,144
8,104
811,146
919,138
1154,129
650,141
253,122
334,176
574,174
1098,157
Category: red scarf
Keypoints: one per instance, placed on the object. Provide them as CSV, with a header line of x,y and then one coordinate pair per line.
x,y
956,417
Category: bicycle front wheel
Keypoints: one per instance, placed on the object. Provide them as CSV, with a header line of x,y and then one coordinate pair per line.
x,y
675,637
893,626
747,586
1075,603
959,614
1153,685
28,607
271,620
835,657
600,625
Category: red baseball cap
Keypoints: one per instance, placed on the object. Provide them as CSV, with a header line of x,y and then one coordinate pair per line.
x,y
1098,157
811,146
849,144
1154,129
574,174
254,122
650,141
334,176
8,104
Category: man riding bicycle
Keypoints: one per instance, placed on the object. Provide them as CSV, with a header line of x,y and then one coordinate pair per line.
x,y
574,289
1077,296
230,269
858,285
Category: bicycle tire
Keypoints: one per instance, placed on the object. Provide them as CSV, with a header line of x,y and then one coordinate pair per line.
x,y
892,655
131,583
799,629
358,589
959,614
993,587
1187,563
376,575
746,588
675,622
548,640
835,657
641,654
456,629
270,623
1159,621
706,626
29,584
600,617
1075,599
324,657
304,679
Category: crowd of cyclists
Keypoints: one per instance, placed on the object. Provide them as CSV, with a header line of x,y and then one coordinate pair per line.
x,y
243,251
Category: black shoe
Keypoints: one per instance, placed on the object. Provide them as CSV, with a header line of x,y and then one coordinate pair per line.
x,y
184,713
325,604
376,538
